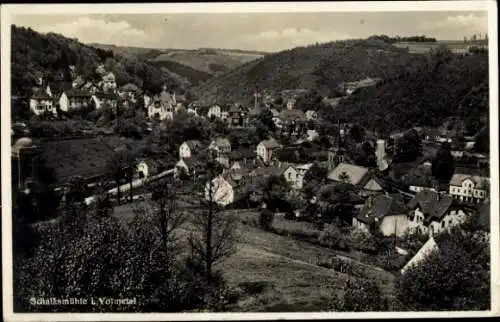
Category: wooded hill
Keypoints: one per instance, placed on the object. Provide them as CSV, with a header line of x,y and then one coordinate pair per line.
x,y
445,86
317,67
49,55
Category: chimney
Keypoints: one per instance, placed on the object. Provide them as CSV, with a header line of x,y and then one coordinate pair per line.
x,y
380,153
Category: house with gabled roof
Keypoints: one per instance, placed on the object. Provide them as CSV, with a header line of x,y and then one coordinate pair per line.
x,y
162,106
432,212
238,116
109,82
189,166
219,112
385,213
266,150
227,188
360,177
189,148
101,99
469,188
73,99
292,121
242,157
294,174
41,103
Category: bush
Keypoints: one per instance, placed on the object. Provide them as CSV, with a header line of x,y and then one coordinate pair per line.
x,y
266,219
332,237
254,288
363,242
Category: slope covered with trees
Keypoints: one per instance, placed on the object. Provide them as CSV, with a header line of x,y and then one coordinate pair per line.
x,y
445,86
35,55
318,67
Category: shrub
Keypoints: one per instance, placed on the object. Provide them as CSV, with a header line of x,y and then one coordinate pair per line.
x,y
254,288
362,241
266,219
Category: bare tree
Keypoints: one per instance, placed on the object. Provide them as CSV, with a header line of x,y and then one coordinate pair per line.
x,y
164,215
213,235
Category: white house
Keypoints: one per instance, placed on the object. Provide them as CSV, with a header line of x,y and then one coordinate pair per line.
x,y
384,213
266,149
428,248
109,82
41,102
290,104
74,98
276,118
294,175
189,148
432,212
220,190
311,115
162,107
221,146
218,112
469,188
100,99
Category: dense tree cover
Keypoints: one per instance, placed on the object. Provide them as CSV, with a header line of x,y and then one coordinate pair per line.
x,y
424,97
194,76
408,147
474,108
456,277
318,67
482,141
443,165
88,252
50,55
388,39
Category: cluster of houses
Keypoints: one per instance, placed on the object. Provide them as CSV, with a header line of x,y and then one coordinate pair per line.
x,y
424,208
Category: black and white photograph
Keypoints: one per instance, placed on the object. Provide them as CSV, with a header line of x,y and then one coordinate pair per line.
x,y
249,158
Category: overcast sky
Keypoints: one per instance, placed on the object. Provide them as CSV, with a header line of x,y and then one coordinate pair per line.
x,y
253,31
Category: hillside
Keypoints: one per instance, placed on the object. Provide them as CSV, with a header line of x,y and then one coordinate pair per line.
x,y
318,67
212,61
446,86
49,56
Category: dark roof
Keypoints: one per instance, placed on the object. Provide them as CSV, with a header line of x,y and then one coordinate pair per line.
x,y
57,88
41,95
291,115
193,162
107,95
271,144
382,206
242,153
77,93
193,145
431,203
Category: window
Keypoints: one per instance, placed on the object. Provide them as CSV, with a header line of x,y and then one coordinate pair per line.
x,y
442,224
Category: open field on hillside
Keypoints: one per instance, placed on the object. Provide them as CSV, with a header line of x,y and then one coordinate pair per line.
x,y
209,61
285,267
424,47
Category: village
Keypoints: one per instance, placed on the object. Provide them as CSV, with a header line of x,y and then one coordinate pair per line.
x,y
377,200
352,175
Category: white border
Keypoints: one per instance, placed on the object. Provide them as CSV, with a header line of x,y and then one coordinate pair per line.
x,y
8,10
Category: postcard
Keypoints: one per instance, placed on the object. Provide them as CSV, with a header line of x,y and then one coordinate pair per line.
x,y
247,161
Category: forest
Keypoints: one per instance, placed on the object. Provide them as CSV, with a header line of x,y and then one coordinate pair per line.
x,y
49,56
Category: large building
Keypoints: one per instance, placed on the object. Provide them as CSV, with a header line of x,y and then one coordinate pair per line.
x,y
469,188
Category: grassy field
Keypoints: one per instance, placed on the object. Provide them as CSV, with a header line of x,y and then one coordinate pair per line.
x,y
214,62
424,47
287,268
85,157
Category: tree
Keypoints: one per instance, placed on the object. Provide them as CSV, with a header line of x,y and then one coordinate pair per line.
x,y
455,277
344,177
443,165
408,147
116,167
266,117
274,190
357,133
361,295
482,140
212,238
266,218
164,214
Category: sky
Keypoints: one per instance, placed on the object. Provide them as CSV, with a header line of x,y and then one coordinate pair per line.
x,y
253,31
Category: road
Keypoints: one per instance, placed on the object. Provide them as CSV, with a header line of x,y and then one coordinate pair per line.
x,y
135,184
